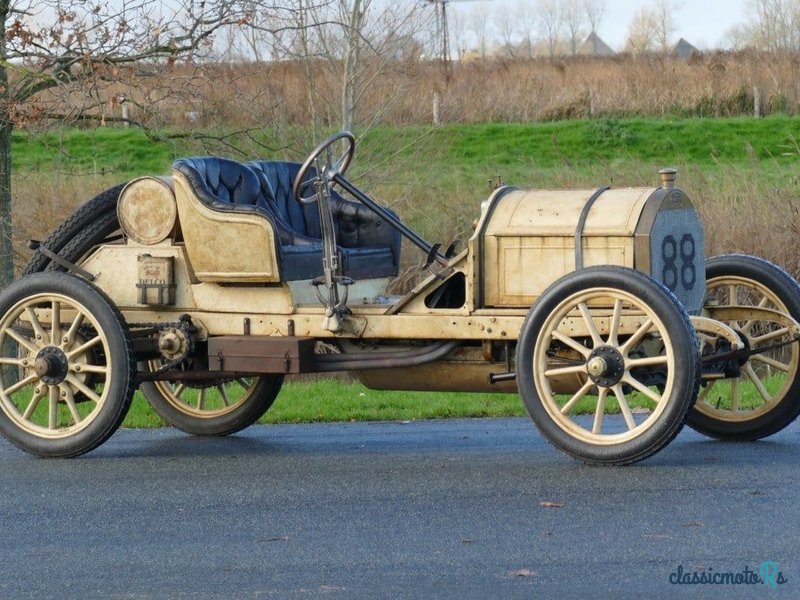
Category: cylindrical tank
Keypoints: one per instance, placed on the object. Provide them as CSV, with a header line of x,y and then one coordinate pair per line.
x,y
530,238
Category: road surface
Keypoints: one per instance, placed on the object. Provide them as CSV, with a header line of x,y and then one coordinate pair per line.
x,y
452,509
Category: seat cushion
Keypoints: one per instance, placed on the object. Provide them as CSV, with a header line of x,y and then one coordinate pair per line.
x,y
276,179
305,262
369,261
356,225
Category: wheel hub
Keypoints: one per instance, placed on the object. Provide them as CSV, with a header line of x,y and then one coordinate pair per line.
x,y
51,365
606,366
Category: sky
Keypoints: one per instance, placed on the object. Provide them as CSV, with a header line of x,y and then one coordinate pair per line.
x,y
704,23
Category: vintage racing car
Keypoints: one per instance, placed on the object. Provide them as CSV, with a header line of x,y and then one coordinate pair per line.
x,y
205,288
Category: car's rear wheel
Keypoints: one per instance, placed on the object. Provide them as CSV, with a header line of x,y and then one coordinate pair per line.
x,y
765,398
67,373
602,340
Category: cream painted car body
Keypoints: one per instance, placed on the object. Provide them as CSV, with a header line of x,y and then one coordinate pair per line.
x,y
523,241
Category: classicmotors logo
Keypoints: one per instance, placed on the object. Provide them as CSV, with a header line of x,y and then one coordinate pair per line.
x,y
767,574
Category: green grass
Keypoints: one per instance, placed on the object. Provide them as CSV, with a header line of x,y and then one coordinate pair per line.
x,y
120,152
332,400
457,148
720,393
336,401
699,141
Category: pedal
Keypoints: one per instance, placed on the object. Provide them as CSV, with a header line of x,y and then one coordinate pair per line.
x,y
452,249
432,253
338,279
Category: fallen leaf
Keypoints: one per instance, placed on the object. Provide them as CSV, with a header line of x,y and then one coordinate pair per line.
x,y
467,541
523,573
548,504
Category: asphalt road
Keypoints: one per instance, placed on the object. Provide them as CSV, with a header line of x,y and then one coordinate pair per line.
x,y
465,508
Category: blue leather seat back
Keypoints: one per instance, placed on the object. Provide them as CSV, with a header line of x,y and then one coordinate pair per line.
x,y
277,179
221,183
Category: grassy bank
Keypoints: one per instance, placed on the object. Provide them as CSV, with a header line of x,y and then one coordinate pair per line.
x,y
578,144
742,173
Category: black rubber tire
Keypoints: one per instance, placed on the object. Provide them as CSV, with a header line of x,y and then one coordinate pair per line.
x,y
101,205
121,379
243,415
786,409
681,336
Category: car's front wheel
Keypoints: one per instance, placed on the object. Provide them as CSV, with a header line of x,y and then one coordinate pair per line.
x,y
608,340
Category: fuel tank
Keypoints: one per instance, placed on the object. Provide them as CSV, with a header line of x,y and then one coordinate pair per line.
x,y
530,238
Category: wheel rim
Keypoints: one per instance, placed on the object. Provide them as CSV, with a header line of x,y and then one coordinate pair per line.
x,y
765,378
209,401
54,375
559,355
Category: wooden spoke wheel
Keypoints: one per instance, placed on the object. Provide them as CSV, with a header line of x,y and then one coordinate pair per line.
x,y
66,368
765,397
602,340
218,407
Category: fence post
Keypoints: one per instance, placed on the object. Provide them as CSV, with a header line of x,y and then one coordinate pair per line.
x,y
756,101
126,110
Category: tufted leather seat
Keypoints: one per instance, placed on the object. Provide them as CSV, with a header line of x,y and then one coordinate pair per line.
x,y
369,248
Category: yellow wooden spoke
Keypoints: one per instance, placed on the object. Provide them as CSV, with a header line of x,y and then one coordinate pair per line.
x,y
600,410
577,397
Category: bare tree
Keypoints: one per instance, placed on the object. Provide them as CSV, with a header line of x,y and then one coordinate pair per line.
x,y
595,11
358,41
458,30
479,25
772,25
549,23
506,28
262,34
354,15
663,12
574,18
525,18
58,56
641,31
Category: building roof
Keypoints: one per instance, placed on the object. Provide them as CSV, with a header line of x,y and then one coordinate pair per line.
x,y
594,46
684,49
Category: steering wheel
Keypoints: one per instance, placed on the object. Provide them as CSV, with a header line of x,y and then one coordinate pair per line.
x,y
330,169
